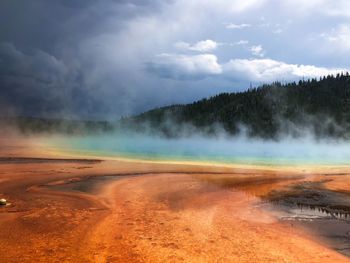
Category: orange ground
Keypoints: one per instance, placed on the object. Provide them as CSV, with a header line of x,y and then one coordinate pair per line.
x,y
167,213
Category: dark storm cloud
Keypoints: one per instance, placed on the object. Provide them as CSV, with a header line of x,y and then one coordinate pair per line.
x,y
44,69
45,24
36,83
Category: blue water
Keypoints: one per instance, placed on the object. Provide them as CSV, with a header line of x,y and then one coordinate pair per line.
x,y
222,150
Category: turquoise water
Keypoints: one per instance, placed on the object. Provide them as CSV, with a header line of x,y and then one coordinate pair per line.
x,y
221,150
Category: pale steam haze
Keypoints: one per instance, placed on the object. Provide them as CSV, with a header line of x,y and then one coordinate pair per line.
x,y
220,149
106,59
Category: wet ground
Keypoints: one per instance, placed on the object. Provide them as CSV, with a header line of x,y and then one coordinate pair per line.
x,y
301,204
72,210
323,212
89,185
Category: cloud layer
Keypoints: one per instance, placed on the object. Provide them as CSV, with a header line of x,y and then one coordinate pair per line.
x,y
200,46
193,67
105,59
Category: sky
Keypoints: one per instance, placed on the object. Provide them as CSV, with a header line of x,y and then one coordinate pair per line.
x,y
105,59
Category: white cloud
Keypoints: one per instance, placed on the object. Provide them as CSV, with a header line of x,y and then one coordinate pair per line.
x,y
201,46
210,45
339,37
232,6
265,70
237,26
185,66
277,31
241,42
257,51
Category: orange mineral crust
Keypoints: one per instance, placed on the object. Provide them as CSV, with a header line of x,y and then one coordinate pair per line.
x,y
79,210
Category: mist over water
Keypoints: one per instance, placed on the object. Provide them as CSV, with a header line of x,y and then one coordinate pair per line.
x,y
224,149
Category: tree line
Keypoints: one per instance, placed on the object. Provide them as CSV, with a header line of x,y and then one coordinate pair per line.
x,y
317,106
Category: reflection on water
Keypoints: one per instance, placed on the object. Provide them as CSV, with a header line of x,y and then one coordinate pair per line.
x,y
310,212
329,225
320,211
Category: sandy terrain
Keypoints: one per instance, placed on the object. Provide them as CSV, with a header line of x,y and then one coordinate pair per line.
x,y
116,211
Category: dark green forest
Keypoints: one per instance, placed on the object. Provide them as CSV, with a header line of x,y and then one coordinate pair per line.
x,y
317,106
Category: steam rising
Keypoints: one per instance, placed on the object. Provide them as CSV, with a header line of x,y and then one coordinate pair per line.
x,y
190,145
222,149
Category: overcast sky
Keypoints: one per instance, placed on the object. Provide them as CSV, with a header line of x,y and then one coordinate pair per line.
x,y
103,59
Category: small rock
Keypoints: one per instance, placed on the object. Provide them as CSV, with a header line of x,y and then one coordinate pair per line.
x,y
3,201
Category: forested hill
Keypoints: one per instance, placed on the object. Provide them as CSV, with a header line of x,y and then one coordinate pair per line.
x,y
320,107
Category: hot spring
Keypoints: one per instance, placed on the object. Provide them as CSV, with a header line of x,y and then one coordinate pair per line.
x,y
288,151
